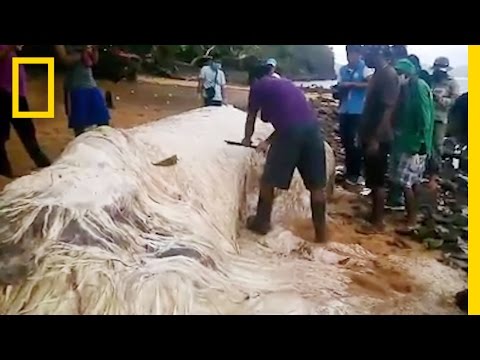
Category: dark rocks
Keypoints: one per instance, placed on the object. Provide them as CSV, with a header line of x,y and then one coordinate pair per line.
x,y
460,220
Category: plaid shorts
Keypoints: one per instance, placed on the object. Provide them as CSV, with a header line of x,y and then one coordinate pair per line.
x,y
408,170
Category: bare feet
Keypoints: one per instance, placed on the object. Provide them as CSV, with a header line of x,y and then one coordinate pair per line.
x,y
258,227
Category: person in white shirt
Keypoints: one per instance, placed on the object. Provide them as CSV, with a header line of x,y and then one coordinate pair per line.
x,y
272,64
211,83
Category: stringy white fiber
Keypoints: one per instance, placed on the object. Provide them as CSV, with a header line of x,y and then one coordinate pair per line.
x,y
87,234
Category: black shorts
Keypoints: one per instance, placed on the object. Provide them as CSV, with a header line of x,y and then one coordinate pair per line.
x,y
6,113
376,166
300,147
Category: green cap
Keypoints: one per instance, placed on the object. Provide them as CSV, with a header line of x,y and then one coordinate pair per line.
x,y
406,66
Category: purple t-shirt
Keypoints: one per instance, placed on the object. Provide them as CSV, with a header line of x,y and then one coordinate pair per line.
x,y
281,103
6,74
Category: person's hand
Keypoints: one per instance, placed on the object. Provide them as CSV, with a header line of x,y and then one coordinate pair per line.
x,y
372,147
347,84
263,147
247,142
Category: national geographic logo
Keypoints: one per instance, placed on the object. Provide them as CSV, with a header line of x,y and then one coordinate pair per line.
x,y
16,62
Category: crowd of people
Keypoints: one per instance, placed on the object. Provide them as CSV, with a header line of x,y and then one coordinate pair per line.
x,y
396,121
393,121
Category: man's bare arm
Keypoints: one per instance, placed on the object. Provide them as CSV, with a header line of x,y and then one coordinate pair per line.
x,y
385,123
65,58
250,126
390,95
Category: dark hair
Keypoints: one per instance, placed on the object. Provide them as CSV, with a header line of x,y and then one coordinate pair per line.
x,y
399,51
258,72
354,49
378,50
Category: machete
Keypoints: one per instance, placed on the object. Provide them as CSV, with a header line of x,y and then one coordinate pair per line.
x,y
239,144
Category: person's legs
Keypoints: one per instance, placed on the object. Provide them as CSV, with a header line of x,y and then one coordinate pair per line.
x,y
395,192
109,100
26,132
5,167
439,132
318,206
378,208
411,169
312,168
356,152
349,125
278,172
410,206
5,119
376,167
344,137
261,222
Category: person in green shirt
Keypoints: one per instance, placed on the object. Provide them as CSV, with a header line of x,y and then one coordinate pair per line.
x,y
395,200
413,135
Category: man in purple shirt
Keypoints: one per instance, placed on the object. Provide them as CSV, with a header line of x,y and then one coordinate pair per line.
x,y
24,127
297,142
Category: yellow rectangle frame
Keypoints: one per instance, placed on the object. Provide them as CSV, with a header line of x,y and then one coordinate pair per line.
x,y
16,62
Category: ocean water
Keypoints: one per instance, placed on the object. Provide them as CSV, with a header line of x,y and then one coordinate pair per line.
x,y
326,84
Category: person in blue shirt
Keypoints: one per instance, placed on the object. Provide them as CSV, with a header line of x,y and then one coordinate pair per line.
x,y
351,91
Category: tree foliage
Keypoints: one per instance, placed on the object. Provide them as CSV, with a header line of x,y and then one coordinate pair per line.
x,y
296,61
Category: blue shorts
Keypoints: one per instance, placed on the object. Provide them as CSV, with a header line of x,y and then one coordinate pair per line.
x,y
86,107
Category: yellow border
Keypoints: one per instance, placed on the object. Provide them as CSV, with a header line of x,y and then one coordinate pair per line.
x,y
16,62
474,173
